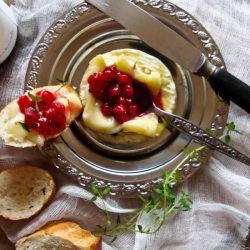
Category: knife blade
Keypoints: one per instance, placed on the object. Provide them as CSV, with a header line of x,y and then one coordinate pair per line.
x,y
170,44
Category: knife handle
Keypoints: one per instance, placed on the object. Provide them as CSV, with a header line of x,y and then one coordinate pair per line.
x,y
231,88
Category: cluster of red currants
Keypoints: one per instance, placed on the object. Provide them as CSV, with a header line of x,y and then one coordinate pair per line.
x,y
120,95
43,113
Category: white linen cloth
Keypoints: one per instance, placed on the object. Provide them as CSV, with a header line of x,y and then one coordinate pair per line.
x,y
220,214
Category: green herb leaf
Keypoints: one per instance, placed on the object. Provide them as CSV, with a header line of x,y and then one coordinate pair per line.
x,y
210,131
141,198
62,84
230,126
187,151
93,198
106,191
60,81
158,190
94,188
227,139
24,126
35,98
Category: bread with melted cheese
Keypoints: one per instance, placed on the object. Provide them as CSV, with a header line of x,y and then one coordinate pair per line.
x,y
13,133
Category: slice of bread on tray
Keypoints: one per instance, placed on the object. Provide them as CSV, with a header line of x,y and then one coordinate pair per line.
x,y
38,115
24,190
60,235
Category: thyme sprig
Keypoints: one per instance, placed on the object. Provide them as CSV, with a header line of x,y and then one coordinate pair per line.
x,y
164,200
24,126
230,128
160,205
62,82
35,99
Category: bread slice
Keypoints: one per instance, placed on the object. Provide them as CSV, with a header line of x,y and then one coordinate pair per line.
x,y
12,131
60,235
24,190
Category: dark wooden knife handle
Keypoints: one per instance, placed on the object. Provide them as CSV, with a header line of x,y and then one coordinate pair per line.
x,y
231,88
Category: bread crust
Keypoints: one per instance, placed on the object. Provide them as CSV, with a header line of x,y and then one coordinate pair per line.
x,y
69,231
14,173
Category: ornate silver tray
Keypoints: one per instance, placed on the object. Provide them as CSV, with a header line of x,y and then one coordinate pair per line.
x,y
64,52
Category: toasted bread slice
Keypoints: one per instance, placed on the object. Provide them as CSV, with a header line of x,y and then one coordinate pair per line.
x,y
60,235
24,190
12,119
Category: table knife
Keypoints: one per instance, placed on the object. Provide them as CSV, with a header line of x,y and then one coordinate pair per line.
x,y
170,44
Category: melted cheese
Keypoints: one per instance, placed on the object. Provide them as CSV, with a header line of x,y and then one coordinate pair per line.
x,y
141,67
93,117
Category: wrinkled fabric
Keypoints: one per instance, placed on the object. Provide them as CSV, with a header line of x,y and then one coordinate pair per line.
x,y
220,214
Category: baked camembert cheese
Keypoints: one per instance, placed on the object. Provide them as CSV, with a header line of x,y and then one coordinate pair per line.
x,y
117,91
39,115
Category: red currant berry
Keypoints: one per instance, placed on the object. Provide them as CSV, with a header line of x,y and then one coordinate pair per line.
x,y
106,109
119,110
58,107
30,116
60,122
125,118
121,100
99,94
42,125
124,79
121,119
24,102
52,130
39,93
109,73
49,113
114,90
127,90
129,101
97,85
91,80
42,106
95,79
35,126
57,125
47,96
133,111
118,119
